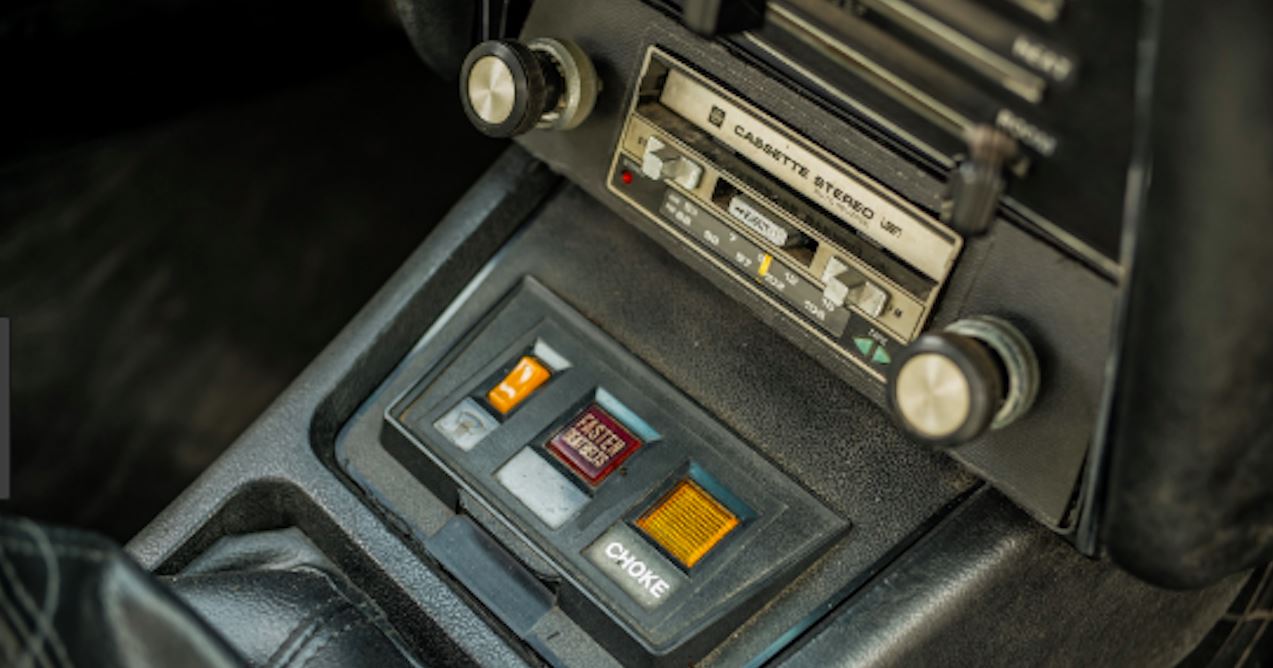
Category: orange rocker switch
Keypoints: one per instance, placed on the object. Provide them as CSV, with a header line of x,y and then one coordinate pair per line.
x,y
519,384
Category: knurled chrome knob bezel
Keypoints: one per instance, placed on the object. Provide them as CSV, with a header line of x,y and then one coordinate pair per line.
x,y
580,84
1016,357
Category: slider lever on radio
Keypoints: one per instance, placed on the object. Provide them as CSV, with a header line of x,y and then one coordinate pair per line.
x,y
977,182
846,285
661,161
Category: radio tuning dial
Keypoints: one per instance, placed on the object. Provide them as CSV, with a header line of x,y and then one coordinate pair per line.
x,y
949,387
509,87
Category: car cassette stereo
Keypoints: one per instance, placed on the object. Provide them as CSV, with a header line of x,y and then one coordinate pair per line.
x,y
854,262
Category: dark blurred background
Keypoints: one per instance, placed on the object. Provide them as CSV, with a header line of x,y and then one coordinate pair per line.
x,y
195,196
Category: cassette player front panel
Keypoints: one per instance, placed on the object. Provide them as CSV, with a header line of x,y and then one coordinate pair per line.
x,y
857,265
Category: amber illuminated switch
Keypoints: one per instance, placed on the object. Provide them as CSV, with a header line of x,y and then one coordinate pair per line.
x,y
687,522
519,384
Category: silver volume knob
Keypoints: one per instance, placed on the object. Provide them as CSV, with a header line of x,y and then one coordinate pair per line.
x,y
508,87
948,387
491,90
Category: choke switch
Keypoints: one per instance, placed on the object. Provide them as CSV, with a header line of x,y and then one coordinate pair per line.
x,y
509,88
949,387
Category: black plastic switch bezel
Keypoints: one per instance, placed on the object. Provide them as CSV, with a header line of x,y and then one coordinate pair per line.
x,y
784,528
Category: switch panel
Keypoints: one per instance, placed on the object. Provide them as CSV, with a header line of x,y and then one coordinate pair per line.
x,y
668,529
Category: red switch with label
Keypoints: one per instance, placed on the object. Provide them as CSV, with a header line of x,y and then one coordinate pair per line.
x,y
594,444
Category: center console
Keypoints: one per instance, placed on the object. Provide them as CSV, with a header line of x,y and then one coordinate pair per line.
x,y
715,367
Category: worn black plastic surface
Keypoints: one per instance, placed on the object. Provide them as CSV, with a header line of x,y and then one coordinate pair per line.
x,y
989,588
492,575
1191,440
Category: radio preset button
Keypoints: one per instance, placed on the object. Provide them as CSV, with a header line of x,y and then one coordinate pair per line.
x,y
836,291
659,159
870,298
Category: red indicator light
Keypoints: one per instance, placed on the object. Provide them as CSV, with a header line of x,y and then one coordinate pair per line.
x,y
626,176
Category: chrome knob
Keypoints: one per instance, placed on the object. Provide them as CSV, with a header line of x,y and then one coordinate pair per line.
x,y
491,90
509,88
949,387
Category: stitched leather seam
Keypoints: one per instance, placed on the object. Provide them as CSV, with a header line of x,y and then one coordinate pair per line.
x,y
24,598
52,580
369,613
311,624
361,606
26,547
329,639
21,632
